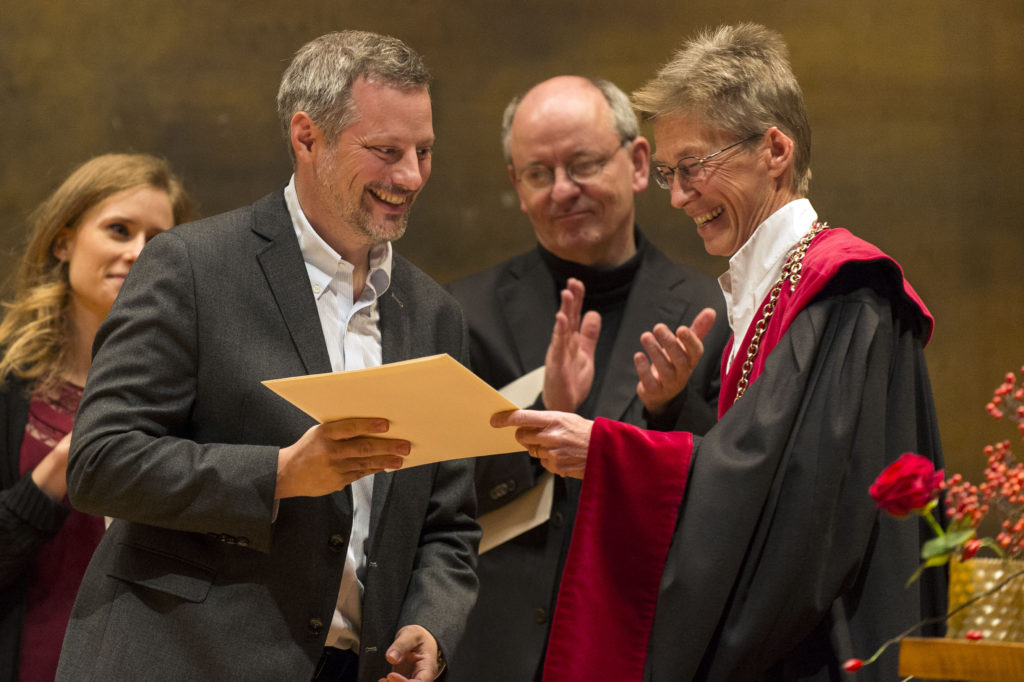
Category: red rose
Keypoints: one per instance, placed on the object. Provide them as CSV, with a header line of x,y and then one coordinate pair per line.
x,y
909,483
853,665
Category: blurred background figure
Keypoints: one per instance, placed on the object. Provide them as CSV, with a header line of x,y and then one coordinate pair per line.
x,y
85,238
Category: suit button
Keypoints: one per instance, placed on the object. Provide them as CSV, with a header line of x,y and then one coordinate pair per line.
x,y
337,543
316,626
502,489
540,616
557,519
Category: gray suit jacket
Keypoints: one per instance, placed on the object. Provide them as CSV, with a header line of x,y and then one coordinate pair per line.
x,y
510,309
177,439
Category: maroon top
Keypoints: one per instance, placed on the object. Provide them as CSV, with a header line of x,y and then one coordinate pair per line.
x,y
59,564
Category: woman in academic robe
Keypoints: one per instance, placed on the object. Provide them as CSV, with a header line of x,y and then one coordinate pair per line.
x,y
755,552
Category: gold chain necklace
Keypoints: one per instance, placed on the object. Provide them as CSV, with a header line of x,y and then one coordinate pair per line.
x,y
791,271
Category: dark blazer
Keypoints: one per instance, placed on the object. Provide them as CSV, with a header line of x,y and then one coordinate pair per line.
x,y
510,309
28,520
202,575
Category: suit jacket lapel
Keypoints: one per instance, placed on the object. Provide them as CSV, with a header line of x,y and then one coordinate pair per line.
x,y
282,264
396,345
529,304
285,270
395,334
654,297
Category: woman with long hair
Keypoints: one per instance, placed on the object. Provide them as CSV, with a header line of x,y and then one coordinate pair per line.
x,y
84,238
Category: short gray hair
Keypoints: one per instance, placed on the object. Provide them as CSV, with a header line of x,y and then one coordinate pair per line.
x,y
737,79
623,117
319,79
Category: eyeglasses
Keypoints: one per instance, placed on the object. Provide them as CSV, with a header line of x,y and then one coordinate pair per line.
x,y
690,168
581,171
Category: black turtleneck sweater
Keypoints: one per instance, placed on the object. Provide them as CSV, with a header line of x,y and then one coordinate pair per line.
x,y
605,291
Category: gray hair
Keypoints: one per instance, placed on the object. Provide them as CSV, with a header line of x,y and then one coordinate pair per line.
x,y
623,117
737,79
319,79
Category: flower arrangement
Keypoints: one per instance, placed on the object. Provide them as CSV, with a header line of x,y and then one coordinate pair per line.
x,y
911,485
1003,487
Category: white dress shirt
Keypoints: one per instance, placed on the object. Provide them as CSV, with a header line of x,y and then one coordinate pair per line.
x,y
756,267
352,332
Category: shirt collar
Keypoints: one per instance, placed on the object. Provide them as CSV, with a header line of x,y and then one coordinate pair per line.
x,y
755,267
323,262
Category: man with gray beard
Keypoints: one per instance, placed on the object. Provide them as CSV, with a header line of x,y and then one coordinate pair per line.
x,y
250,542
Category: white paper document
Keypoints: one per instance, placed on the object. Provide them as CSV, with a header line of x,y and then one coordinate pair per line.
x,y
524,513
525,390
533,507
435,403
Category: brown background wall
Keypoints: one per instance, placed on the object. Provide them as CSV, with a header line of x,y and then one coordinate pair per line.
x,y
916,105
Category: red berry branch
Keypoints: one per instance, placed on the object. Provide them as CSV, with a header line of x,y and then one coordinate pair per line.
x,y
1003,488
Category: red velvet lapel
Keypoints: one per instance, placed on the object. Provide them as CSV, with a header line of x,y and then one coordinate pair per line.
x,y
829,251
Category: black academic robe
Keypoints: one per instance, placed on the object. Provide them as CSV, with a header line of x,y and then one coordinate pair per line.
x,y
779,567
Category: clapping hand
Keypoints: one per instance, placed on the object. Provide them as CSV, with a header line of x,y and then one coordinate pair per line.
x,y
669,360
569,363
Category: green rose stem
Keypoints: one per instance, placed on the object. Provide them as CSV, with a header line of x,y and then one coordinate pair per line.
x,y
926,513
940,619
945,544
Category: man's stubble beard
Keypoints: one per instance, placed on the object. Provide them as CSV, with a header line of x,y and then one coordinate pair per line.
x,y
361,218
359,215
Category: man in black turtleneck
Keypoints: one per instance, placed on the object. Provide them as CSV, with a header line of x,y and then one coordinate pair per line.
x,y
576,159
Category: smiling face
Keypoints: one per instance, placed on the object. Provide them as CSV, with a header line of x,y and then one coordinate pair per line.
x,y
366,181
560,122
104,244
742,186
